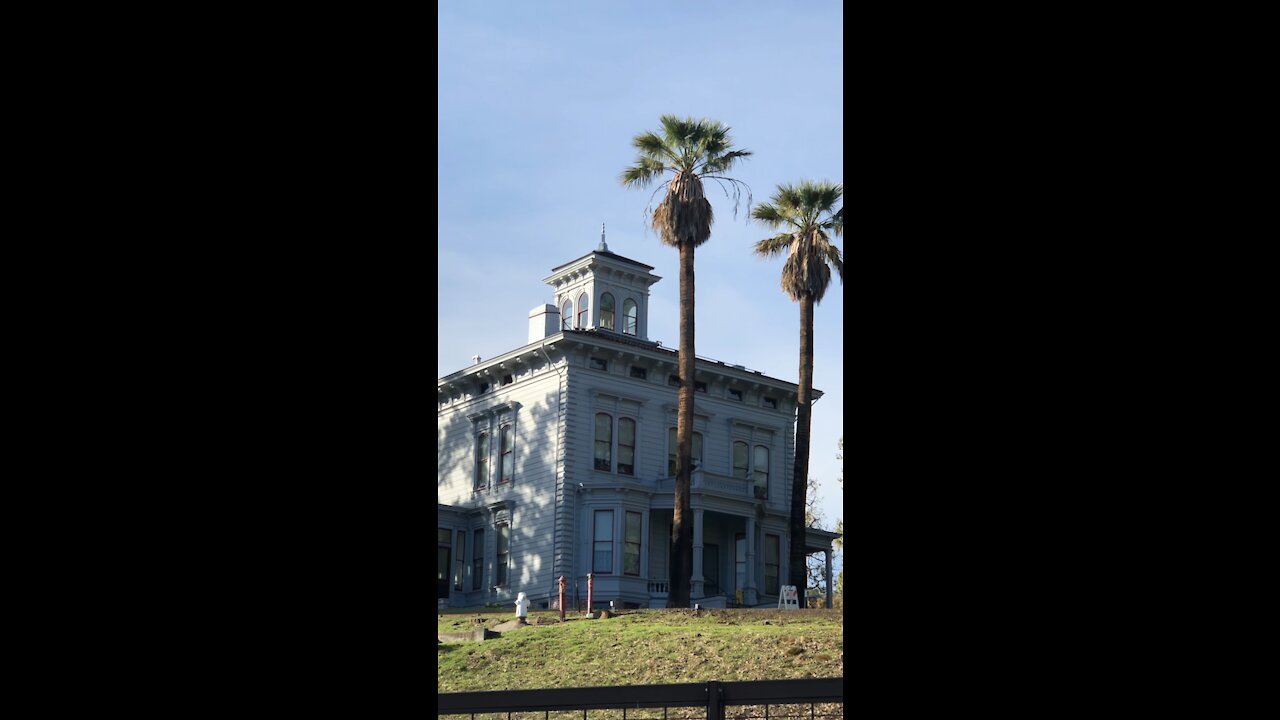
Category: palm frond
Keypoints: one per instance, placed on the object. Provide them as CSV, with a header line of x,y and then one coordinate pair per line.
x,y
737,191
652,146
684,215
769,215
833,256
691,149
775,245
676,129
642,173
718,163
807,208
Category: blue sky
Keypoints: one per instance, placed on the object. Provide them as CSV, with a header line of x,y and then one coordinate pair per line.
x,y
538,103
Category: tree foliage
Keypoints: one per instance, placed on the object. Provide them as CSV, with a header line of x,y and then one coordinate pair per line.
x,y
691,150
806,213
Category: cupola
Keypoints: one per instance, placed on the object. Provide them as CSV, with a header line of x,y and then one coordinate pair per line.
x,y
600,291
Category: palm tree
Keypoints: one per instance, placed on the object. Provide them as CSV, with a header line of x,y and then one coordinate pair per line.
x,y
692,150
806,211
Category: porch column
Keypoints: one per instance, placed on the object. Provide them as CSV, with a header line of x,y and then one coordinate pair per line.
x,y
829,588
696,581
749,587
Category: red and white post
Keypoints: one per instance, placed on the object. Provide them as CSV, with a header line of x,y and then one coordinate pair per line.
x,y
561,598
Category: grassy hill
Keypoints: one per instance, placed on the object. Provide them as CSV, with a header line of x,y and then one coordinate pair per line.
x,y
641,647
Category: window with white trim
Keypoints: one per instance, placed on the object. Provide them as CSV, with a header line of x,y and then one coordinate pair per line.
x,y
566,315
631,545
444,544
605,451
503,554
629,316
753,455
606,311
460,560
604,442
482,461
626,446
772,552
602,542
672,446
506,438
584,319
739,561
760,474
477,560
740,459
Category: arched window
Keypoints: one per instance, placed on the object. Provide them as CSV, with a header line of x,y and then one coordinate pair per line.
x,y
671,450
505,469
740,459
606,311
760,475
604,442
482,460
629,316
566,315
583,320
626,446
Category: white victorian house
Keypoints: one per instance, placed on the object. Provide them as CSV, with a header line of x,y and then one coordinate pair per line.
x,y
558,459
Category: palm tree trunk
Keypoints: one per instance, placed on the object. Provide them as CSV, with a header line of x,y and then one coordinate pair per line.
x,y
682,518
800,478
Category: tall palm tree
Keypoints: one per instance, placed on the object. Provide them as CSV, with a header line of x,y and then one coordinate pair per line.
x,y
805,212
692,150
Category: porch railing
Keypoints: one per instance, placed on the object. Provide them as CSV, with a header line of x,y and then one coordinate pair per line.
x,y
703,480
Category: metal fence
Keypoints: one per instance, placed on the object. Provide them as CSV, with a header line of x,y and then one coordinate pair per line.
x,y
808,698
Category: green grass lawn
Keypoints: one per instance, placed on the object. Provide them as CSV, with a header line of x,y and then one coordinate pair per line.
x,y
639,647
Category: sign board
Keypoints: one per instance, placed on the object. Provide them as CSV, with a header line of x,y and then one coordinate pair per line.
x,y
788,598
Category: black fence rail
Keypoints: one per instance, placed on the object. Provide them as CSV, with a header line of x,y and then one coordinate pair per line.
x,y
714,696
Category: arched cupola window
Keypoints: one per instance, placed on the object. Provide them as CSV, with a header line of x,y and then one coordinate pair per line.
x,y
566,315
583,320
629,317
606,311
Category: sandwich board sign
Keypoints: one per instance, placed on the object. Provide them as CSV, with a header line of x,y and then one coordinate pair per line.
x,y
788,599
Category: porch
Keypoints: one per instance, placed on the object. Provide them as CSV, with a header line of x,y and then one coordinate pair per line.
x,y
737,561
736,558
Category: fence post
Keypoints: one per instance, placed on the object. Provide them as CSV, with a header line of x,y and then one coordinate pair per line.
x,y
561,598
588,593
715,698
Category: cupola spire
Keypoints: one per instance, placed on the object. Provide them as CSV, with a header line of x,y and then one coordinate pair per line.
x,y
603,247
